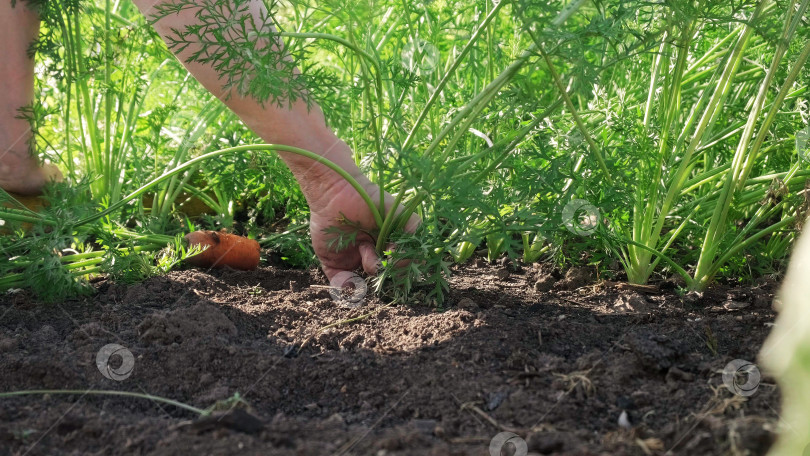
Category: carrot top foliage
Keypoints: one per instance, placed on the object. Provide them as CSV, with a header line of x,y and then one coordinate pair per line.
x,y
661,137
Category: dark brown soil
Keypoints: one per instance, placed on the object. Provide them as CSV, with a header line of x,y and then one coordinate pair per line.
x,y
556,367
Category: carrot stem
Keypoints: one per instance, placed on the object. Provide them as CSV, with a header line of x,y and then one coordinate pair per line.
x,y
267,147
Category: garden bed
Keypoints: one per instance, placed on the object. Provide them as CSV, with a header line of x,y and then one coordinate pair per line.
x,y
556,367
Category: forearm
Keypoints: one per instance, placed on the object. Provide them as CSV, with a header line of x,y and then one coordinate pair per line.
x,y
19,28
295,125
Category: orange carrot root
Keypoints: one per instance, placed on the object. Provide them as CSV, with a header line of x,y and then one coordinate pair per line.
x,y
223,249
34,203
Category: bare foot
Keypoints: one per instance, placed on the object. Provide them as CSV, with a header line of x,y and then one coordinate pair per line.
x,y
23,176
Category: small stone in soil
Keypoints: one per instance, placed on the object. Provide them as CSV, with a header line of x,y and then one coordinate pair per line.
x,y
439,432
735,305
496,399
624,420
502,274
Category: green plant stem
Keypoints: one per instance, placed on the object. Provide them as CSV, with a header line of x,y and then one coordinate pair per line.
x,y
493,87
706,279
472,106
265,147
681,271
745,157
449,74
577,119
707,109
21,216
108,93
108,393
76,269
270,239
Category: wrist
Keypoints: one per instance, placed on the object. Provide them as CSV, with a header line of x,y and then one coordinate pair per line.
x,y
319,183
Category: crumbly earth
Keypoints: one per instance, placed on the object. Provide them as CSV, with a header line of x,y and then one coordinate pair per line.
x,y
570,365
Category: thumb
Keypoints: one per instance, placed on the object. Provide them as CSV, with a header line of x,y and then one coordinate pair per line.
x,y
330,272
371,262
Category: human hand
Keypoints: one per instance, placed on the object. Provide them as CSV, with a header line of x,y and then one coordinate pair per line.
x,y
342,202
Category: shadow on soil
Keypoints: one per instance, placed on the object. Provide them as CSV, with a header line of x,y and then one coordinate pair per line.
x,y
557,367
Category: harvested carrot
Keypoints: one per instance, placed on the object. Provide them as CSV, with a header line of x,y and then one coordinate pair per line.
x,y
223,249
34,203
